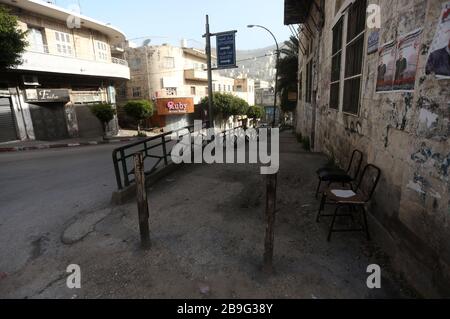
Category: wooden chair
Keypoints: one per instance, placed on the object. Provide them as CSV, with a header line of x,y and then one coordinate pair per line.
x,y
351,198
337,175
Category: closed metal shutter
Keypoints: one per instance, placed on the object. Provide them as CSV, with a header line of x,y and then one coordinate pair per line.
x,y
7,124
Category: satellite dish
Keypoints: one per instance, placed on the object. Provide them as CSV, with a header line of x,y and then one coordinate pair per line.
x,y
146,42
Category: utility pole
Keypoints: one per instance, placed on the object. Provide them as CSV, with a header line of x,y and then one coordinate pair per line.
x,y
210,80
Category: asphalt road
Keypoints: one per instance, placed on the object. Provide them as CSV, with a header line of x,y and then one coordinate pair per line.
x,y
41,191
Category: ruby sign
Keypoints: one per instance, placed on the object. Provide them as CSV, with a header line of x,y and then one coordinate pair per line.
x,y
176,107
173,106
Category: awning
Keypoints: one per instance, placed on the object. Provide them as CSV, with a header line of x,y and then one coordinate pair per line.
x,y
296,11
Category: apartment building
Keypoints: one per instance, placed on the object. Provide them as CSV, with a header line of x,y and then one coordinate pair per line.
x,y
72,61
380,89
176,76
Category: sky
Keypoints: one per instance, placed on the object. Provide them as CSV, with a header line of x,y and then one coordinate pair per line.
x,y
169,21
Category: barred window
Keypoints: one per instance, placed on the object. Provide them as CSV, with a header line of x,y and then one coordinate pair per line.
x,y
336,60
347,60
354,56
309,80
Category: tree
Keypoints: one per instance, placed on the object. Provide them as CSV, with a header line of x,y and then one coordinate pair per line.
x,y
139,110
12,40
226,105
288,73
239,106
255,112
104,112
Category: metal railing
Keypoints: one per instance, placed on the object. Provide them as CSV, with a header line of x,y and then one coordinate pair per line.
x,y
156,150
69,52
119,61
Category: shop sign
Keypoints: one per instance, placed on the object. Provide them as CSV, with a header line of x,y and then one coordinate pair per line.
x,y
47,95
175,106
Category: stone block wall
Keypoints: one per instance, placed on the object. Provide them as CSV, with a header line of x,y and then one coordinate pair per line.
x,y
405,134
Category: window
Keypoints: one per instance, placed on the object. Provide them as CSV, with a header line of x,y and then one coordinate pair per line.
x,y
309,80
347,59
136,92
135,64
354,56
229,88
239,88
101,50
214,87
193,90
300,87
220,88
169,62
122,91
63,43
36,40
171,91
336,60
206,91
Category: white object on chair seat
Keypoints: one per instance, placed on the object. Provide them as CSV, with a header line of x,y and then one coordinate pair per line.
x,y
343,193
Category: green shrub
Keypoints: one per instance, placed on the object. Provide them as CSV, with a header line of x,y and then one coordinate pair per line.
x,y
104,112
139,110
255,112
226,105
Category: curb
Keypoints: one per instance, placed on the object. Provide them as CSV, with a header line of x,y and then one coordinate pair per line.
x,y
53,146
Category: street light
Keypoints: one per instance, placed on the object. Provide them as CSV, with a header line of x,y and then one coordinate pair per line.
x,y
276,75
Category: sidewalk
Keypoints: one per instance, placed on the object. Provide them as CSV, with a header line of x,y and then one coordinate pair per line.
x,y
207,225
17,146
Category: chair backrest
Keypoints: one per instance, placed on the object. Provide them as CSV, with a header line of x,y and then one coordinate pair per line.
x,y
354,167
369,181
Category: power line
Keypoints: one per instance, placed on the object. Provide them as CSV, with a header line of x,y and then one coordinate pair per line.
x,y
257,57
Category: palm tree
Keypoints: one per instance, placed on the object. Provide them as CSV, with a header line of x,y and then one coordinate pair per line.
x,y
288,72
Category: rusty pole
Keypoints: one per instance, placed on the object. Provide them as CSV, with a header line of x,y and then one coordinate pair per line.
x,y
271,201
142,200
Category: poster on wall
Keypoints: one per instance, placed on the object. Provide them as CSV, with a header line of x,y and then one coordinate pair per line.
x,y
386,67
406,61
439,56
372,42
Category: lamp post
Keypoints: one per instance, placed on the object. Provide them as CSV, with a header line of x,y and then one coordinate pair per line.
x,y
276,73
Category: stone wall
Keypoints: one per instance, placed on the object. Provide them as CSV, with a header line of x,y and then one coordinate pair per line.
x,y
405,134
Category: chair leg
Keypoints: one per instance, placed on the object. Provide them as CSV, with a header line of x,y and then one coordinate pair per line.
x,y
321,208
332,223
318,188
366,226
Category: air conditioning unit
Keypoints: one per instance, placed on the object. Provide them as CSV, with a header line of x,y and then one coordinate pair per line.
x,y
30,80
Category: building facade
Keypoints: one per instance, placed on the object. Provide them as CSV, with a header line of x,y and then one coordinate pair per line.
x,y
71,62
167,72
364,84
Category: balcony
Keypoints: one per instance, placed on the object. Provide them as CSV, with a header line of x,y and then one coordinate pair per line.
x,y
196,75
43,59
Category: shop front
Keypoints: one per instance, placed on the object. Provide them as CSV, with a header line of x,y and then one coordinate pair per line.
x,y
173,113
47,109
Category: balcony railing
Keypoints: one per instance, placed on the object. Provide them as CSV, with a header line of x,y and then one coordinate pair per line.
x,y
119,61
63,59
69,51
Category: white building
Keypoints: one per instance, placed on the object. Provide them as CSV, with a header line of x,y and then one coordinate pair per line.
x,y
165,71
71,61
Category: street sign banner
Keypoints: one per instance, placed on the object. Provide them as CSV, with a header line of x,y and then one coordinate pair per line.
x,y
226,50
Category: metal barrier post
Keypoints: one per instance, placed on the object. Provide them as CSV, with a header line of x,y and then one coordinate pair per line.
x,y
142,200
271,202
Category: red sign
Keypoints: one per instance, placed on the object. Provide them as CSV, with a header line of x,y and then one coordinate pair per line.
x,y
175,106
